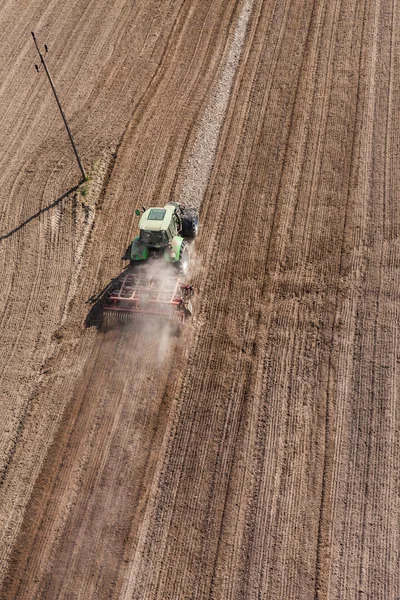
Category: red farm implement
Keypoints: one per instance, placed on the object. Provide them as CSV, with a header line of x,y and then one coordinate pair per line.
x,y
137,295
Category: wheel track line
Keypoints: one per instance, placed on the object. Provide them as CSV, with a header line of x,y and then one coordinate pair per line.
x,y
224,469
370,474
321,134
279,421
345,368
366,484
286,489
321,582
187,437
294,182
285,590
228,184
154,491
392,546
227,470
279,406
275,213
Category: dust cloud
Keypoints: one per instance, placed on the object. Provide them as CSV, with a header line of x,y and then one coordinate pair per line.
x,y
162,335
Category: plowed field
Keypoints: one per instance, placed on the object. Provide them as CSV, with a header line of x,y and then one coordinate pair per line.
x,y
256,455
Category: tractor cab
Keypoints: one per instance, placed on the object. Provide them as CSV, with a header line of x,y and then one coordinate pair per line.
x,y
158,226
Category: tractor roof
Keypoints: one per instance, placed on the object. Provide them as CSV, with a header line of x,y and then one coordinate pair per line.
x,y
156,219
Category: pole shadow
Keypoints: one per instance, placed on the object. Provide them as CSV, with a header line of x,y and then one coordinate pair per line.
x,y
40,212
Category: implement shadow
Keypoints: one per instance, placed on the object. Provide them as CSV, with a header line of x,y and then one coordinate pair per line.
x,y
40,212
94,316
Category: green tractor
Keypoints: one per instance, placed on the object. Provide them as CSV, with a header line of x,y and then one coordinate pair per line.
x,y
163,233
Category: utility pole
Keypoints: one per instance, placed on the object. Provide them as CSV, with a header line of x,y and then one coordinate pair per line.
x,y
58,103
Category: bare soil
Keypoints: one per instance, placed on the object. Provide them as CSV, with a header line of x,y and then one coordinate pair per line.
x,y
256,455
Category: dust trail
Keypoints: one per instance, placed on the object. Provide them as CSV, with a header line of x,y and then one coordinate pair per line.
x,y
202,155
160,333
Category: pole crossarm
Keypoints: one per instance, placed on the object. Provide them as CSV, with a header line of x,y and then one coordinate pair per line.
x,y
43,62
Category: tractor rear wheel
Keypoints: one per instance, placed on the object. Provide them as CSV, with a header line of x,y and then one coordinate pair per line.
x,y
184,259
190,223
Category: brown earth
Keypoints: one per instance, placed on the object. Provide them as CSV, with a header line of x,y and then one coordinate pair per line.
x,y
256,456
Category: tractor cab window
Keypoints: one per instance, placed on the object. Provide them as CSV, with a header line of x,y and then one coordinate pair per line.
x,y
156,214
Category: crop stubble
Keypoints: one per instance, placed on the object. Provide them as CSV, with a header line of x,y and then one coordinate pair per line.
x,y
258,456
